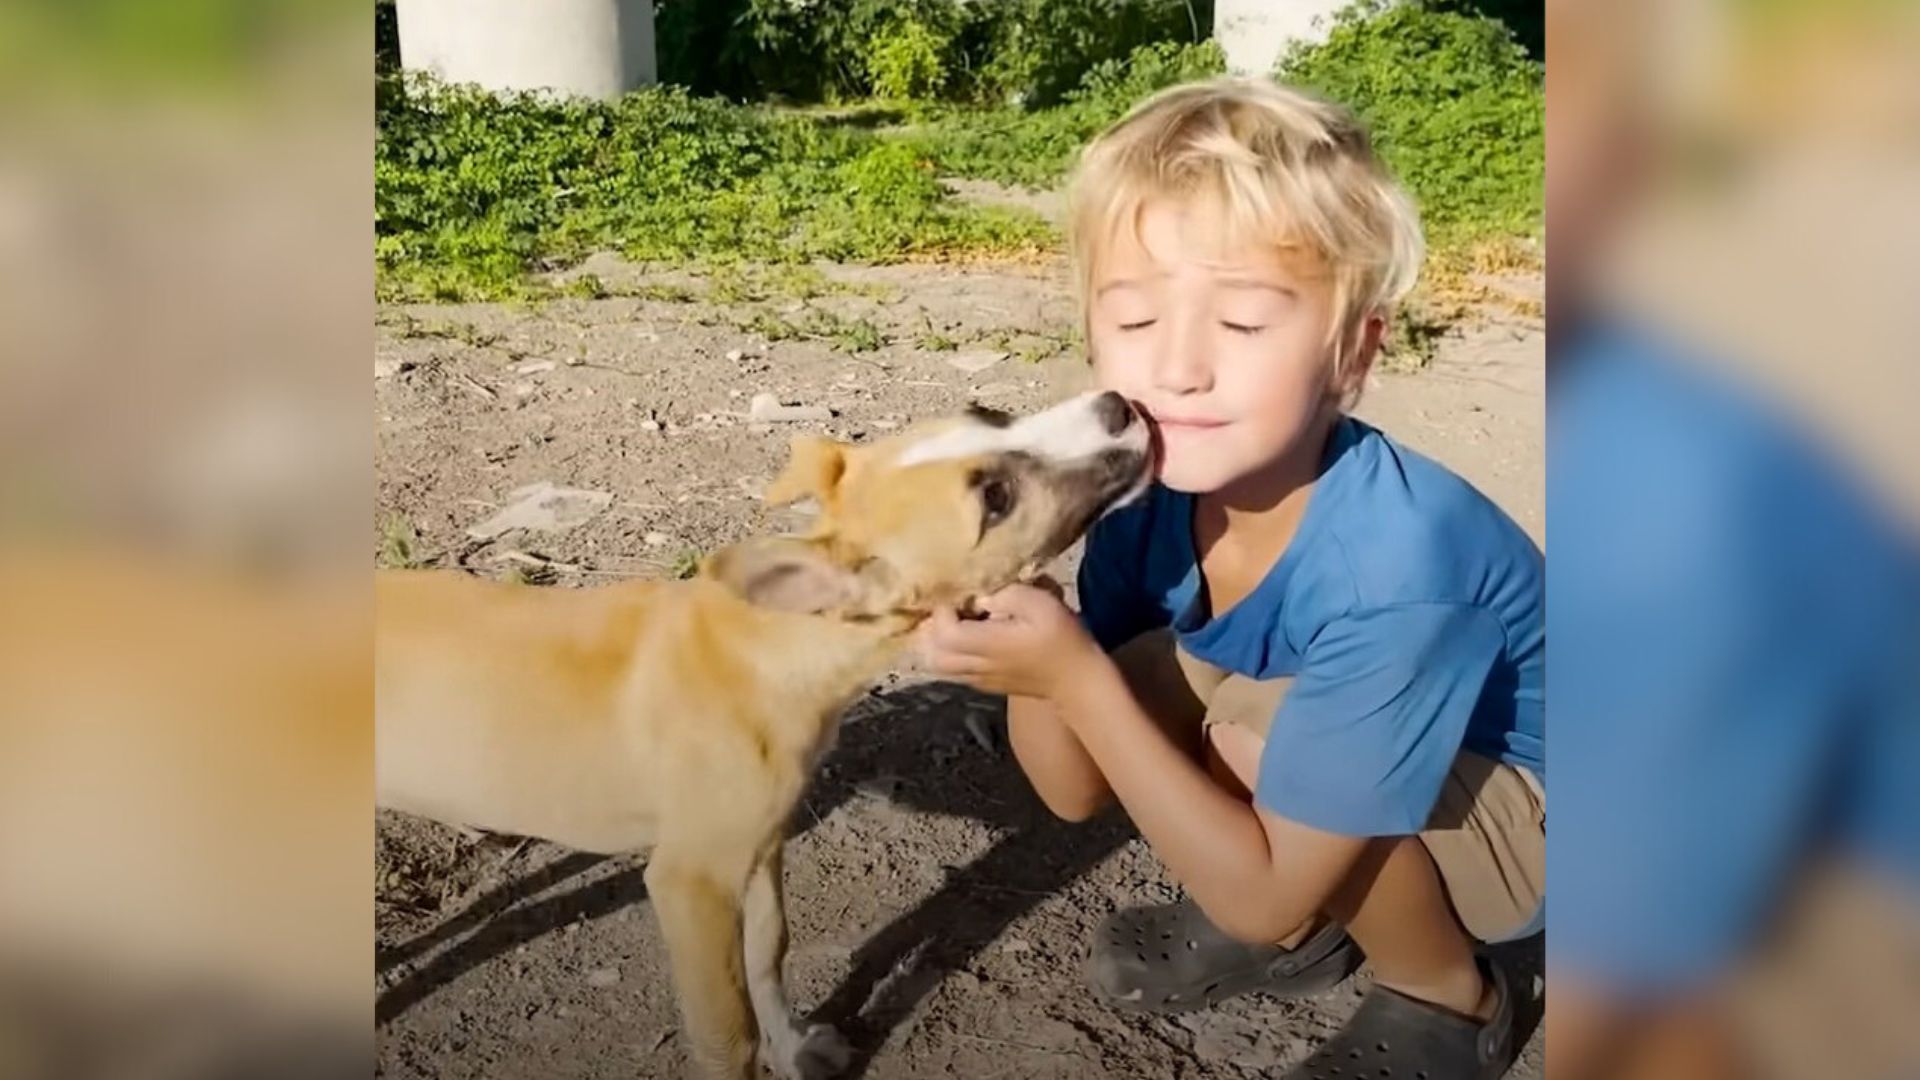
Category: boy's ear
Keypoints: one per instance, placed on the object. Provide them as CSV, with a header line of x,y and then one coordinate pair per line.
x,y
783,573
1360,350
814,468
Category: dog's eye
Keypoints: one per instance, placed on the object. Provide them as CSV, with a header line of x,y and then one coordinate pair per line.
x,y
996,496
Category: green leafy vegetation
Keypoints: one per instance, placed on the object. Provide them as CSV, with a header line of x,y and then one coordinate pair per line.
x,y
399,544
1030,52
685,564
1036,148
477,195
473,191
1456,107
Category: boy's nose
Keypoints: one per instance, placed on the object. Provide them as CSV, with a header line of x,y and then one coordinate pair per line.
x,y
1181,366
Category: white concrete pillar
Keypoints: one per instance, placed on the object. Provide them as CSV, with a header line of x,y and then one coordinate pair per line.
x,y
589,48
1254,33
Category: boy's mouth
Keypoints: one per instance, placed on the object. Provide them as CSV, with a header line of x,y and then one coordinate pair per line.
x,y
1161,427
1186,425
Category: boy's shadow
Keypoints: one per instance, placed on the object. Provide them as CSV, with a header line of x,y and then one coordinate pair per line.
x,y
916,740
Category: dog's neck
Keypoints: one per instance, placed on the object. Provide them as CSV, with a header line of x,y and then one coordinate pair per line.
x,y
813,666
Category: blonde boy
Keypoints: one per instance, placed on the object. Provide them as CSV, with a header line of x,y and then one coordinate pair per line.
x,y
1310,662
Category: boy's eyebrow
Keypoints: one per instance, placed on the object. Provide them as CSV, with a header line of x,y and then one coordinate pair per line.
x,y
1121,283
1256,283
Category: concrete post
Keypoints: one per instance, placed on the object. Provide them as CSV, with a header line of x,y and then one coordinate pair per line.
x,y
1254,33
588,48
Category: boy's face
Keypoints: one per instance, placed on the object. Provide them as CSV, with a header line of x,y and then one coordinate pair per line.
x,y
1225,347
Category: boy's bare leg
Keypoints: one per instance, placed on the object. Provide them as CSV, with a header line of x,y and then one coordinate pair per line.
x,y
1393,905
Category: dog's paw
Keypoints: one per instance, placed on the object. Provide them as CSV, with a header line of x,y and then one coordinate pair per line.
x,y
814,1053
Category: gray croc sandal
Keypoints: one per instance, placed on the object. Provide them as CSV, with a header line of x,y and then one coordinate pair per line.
x,y
1170,959
1395,1037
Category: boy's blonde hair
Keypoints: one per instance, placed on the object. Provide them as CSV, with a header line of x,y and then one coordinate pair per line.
x,y
1281,166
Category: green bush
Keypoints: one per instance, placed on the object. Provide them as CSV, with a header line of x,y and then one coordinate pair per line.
x,y
1036,148
907,62
1036,53
998,51
1455,105
472,190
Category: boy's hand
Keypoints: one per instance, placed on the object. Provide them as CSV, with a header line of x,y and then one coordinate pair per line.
x,y
1028,645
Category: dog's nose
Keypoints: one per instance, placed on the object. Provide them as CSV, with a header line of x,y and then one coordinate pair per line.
x,y
1114,412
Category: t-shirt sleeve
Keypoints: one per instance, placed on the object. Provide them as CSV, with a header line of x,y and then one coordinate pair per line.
x,y
1114,605
1371,726
1707,662
1706,668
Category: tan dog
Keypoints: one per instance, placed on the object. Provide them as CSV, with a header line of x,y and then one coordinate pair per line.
x,y
687,716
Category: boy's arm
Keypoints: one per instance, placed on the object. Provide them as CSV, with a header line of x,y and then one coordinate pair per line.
x,y
1061,771
1256,875
1369,729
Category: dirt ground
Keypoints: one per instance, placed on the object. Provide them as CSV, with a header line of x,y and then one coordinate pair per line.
x,y
939,915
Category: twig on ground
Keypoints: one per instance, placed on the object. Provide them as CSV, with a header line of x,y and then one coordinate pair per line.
x,y
480,389
539,561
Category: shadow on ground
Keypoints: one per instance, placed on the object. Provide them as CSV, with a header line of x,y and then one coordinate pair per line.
x,y
888,738
903,741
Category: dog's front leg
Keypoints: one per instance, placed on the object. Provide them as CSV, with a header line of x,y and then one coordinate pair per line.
x,y
791,1049
699,912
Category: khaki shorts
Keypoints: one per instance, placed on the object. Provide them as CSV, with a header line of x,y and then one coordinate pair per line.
x,y
1488,831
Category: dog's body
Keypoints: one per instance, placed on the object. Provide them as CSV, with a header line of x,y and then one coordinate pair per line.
x,y
687,716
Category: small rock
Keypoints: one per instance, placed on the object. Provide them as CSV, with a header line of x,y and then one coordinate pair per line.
x,y
632,403
543,507
736,394
388,368
603,977
534,367
767,409
649,425
886,425
884,786
524,390
974,361
1019,945
657,539
735,355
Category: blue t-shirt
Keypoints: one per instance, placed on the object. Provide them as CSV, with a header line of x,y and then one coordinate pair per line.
x,y
1736,650
1407,608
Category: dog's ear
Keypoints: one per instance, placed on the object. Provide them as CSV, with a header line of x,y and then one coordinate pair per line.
x,y
814,468
788,574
